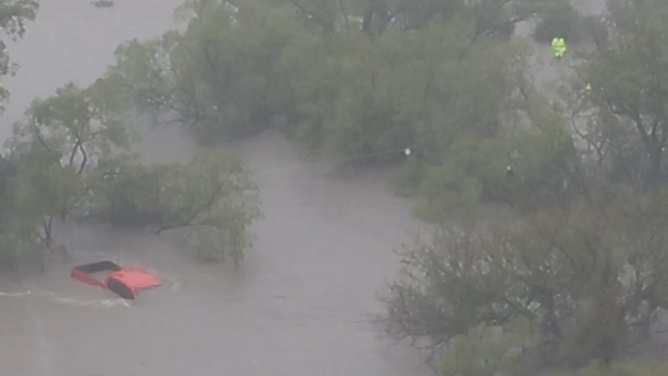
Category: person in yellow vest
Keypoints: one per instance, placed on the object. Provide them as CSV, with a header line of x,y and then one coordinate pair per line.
x,y
559,47
562,47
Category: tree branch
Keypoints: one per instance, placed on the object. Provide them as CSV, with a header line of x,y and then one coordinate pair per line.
x,y
187,221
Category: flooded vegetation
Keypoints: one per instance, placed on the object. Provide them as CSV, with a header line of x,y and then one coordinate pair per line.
x,y
343,187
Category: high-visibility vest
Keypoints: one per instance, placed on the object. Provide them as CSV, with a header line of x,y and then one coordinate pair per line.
x,y
559,46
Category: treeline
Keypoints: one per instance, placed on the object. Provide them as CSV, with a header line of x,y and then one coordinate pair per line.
x,y
577,277
361,78
366,79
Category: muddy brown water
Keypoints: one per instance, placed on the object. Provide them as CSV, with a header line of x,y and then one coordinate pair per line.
x,y
300,305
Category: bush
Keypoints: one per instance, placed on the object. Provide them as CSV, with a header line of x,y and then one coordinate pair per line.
x,y
560,21
487,351
407,178
589,277
210,202
482,171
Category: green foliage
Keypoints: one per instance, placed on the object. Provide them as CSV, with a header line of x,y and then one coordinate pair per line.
x,y
20,245
357,79
218,76
129,194
627,100
487,351
14,14
71,159
77,126
210,202
530,166
62,140
408,178
561,21
454,189
588,277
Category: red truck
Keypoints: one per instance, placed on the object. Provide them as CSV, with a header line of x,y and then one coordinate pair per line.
x,y
124,282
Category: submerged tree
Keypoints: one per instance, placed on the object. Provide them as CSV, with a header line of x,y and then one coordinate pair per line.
x,y
61,142
218,77
588,278
21,246
628,90
209,202
71,159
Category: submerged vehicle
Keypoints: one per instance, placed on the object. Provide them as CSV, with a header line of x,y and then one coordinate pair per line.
x,y
124,282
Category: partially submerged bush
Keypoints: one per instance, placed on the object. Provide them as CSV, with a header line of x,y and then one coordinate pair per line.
x,y
487,351
209,202
590,279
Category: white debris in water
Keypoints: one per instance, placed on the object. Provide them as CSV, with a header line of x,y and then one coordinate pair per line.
x,y
97,303
15,294
407,151
93,303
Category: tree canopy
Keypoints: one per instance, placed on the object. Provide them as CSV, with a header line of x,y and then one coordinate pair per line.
x,y
365,80
572,277
72,159
14,15
628,94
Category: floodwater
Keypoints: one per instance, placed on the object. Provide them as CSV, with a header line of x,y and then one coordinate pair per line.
x,y
299,306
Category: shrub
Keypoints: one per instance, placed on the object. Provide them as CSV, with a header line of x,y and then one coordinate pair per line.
x,y
560,21
589,277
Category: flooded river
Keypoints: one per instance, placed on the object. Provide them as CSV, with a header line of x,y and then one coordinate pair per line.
x,y
300,304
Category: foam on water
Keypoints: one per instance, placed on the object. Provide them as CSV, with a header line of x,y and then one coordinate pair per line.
x,y
73,301
15,294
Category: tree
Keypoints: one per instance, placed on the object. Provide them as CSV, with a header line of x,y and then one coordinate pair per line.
x,y
376,96
373,17
521,154
333,72
561,21
362,80
588,278
63,139
47,190
218,77
385,75
71,159
14,14
487,351
20,245
209,202
212,202
628,80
